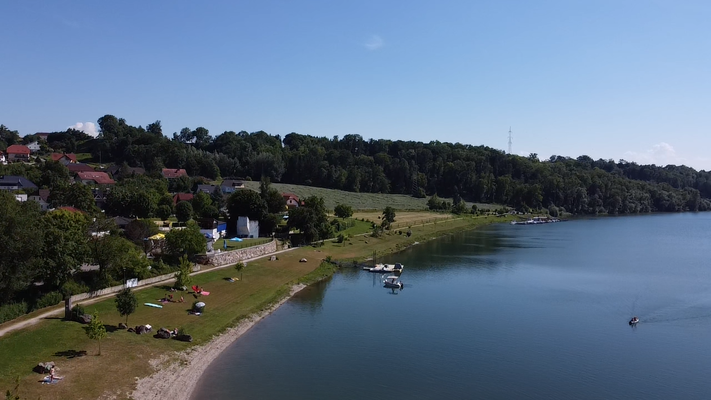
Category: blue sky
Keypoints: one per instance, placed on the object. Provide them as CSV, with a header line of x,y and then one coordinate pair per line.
x,y
610,79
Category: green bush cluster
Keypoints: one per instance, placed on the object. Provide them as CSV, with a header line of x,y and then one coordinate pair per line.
x,y
12,311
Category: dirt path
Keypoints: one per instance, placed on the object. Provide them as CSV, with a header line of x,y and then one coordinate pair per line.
x,y
59,310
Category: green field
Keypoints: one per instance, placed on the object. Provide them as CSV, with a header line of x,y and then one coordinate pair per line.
x,y
359,201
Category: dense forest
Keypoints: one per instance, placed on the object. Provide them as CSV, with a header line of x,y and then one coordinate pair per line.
x,y
474,173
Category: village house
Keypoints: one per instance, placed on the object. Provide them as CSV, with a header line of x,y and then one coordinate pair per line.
x,y
42,198
17,152
94,178
79,167
230,186
292,200
212,229
119,172
209,189
42,135
172,173
34,147
65,158
182,197
14,183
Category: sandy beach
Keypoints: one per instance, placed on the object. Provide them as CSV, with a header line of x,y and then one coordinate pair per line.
x,y
177,374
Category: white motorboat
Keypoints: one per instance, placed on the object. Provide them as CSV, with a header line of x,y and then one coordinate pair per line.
x,y
392,282
634,321
378,268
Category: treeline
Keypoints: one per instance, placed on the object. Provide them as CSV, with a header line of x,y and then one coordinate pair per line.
x,y
472,173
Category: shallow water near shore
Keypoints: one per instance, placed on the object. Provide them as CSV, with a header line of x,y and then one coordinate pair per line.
x,y
535,312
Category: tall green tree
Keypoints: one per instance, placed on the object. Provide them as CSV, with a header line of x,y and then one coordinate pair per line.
x,y
183,211
389,214
182,277
126,303
343,211
65,245
22,245
96,330
245,203
188,241
311,220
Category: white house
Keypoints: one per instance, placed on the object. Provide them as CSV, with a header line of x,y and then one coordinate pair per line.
x,y
34,147
247,228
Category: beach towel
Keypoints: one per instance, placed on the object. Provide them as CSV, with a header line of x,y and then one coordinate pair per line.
x,y
204,293
57,379
153,305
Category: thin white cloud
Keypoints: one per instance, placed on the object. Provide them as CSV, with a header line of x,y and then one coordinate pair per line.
x,y
87,127
374,43
660,154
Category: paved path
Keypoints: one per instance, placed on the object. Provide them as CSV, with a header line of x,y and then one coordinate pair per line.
x,y
13,326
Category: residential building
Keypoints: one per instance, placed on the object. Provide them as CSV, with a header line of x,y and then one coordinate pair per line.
x,y
122,222
34,147
212,228
118,172
11,182
21,197
79,167
42,198
230,186
209,189
65,158
182,197
42,135
172,173
94,178
292,200
247,228
17,152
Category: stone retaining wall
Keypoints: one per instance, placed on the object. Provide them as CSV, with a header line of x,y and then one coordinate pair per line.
x,y
235,256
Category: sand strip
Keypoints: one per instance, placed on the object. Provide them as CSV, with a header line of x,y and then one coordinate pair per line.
x,y
177,374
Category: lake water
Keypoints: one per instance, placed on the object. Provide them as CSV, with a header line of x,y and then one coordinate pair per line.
x,y
505,312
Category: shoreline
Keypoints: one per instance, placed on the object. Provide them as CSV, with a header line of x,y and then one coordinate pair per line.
x,y
176,375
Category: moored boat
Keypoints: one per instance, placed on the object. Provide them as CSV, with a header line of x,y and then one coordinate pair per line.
x,y
392,282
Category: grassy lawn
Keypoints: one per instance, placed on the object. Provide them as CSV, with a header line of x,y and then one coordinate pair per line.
x,y
359,201
126,356
232,245
360,227
403,219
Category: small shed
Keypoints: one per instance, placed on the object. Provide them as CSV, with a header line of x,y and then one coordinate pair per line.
x,y
247,228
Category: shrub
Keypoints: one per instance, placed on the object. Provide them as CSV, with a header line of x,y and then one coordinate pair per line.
x,y
11,311
70,288
77,311
49,299
340,238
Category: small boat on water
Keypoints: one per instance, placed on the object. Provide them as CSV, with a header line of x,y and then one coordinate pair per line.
x,y
536,221
392,282
377,268
634,321
394,268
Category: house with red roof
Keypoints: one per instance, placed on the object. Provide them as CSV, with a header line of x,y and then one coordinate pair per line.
x,y
292,200
172,173
17,152
65,158
182,197
79,167
94,178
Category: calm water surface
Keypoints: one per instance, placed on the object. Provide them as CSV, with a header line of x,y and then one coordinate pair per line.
x,y
506,312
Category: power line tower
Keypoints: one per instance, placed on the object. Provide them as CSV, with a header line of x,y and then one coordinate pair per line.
x,y
510,140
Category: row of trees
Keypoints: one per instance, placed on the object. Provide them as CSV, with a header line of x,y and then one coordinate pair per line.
x,y
474,173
